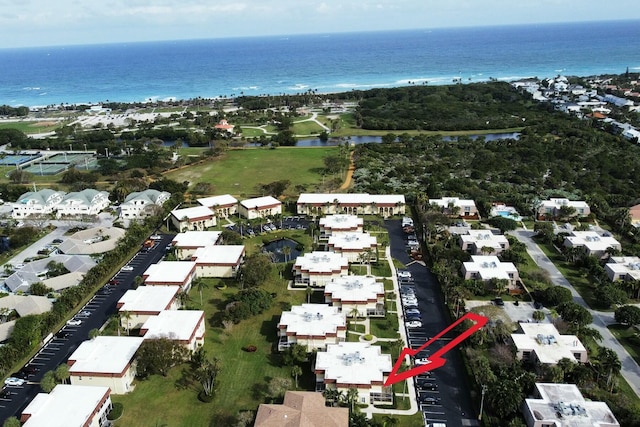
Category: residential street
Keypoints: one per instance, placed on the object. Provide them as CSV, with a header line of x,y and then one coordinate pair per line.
x,y
630,369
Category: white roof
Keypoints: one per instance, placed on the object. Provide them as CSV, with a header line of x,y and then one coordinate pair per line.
x,y
341,222
196,239
484,238
169,271
558,202
566,400
315,320
321,262
173,324
354,289
66,406
260,202
148,298
592,241
490,267
192,213
104,354
223,200
353,241
446,201
219,254
545,340
353,363
350,198
620,266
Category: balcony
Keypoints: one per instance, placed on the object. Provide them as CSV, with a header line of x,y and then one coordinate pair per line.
x,y
283,343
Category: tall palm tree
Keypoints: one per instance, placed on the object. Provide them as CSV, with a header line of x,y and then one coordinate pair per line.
x,y
309,292
296,371
351,398
609,363
286,250
126,315
199,284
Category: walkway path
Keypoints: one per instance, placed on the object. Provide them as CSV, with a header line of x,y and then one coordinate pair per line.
x,y
630,369
347,180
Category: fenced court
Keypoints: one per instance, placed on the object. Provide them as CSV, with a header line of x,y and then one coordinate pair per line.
x,y
61,162
18,159
46,168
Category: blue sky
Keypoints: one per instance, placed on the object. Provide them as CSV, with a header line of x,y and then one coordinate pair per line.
x,y
65,22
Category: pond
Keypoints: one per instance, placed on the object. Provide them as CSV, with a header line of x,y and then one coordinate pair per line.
x,y
276,249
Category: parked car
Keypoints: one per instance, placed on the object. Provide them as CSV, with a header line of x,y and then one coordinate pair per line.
x,y
429,400
427,385
5,393
74,322
13,381
413,312
155,237
413,318
29,370
498,301
403,273
57,241
421,361
62,334
127,268
414,324
84,313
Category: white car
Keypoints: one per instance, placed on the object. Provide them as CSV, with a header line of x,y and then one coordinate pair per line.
x,y
127,268
18,266
155,237
414,324
406,301
74,322
13,381
422,361
84,313
403,273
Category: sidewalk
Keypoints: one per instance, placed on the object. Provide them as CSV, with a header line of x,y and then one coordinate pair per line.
x,y
630,369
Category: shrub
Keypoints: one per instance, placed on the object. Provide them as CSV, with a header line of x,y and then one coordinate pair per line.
x,y
116,411
368,337
250,349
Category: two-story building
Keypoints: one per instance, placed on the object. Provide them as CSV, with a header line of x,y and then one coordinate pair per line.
x,y
542,344
141,204
592,243
623,268
194,218
356,247
171,273
315,269
185,244
356,294
137,305
487,267
384,205
355,365
218,260
483,242
184,326
456,207
301,408
334,225
37,203
85,202
312,326
553,207
260,207
223,206
105,361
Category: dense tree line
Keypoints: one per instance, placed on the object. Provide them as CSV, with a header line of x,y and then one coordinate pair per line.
x,y
6,110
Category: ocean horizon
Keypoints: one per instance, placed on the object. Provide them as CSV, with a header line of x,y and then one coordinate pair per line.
x,y
324,63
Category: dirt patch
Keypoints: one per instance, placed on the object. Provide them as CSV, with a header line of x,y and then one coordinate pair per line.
x,y
44,124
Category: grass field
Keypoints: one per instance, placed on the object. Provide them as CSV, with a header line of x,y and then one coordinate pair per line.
x,y
239,172
30,127
306,128
627,336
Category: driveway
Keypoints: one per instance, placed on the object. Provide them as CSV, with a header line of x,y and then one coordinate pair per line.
x,y
630,369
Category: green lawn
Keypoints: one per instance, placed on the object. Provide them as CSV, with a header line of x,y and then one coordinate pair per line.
x,y
385,328
627,336
242,381
252,133
239,172
30,127
306,128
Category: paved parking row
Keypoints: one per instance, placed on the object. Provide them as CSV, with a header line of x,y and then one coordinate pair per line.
x,y
285,223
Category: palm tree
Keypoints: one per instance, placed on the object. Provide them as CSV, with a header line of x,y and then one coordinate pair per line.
x,y
309,292
126,315
351,397
389,421
286,250
62,373
354,312
296,371
609,362
199,284
332,395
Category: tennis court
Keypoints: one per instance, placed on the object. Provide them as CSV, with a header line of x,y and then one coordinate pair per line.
x,y
46,168
18,159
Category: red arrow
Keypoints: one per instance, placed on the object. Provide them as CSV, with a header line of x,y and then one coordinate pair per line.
x,y
435,360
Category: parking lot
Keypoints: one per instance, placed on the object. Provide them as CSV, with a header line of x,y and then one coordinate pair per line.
x,y
60,345
284,223
442,394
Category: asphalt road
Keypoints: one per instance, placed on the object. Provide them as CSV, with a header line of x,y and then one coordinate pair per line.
x,y
452,401
93,316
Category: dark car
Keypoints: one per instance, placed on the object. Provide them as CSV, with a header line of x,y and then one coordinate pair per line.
x,y
19,374
62,334
429,400
498,301
427,385
537,305
4,393
29,370
57,241
412,318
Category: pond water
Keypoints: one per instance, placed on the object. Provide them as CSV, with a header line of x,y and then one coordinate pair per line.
x,y
275,248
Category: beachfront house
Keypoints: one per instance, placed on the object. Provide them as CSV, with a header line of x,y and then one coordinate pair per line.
x,y
355,365
141,204
362,296
194,218
315,269
313,326
384,205
106,361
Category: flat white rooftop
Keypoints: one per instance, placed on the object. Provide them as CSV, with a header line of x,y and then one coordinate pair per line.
x,y
196,239
546,341
222,200
354,289
350,198
152,299
558,202
353,241
629,266
354,363
170,272
313,320
484,238
219,255
260,202
193,213
104,354
446,201
592,240
563,404
66,406
341,222
321,262
490,267
173,324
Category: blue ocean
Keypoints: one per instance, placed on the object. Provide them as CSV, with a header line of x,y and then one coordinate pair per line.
x,y
324,63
